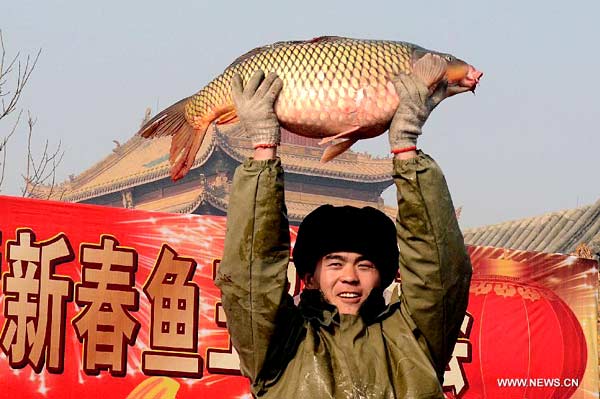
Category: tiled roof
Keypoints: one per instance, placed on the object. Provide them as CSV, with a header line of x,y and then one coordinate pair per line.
x,y
141,161
306,160
554,232
298,204
137,162
175,203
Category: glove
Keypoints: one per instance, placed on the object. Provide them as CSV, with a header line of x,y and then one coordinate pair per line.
x,y
416,101
254,105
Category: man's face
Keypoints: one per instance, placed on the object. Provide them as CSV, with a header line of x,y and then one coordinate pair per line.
x,y
345,279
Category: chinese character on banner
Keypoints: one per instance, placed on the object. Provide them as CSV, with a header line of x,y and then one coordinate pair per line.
x,y
222,360
35,302
174,324
455,379
107,296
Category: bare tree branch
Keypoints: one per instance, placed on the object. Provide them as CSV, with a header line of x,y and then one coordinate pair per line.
x,y
23,74
16,73
43,171
4,144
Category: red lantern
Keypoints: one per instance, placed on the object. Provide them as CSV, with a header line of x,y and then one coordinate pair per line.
x,y
525,335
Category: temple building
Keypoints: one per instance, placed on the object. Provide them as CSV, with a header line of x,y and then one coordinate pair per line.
x,y
136,175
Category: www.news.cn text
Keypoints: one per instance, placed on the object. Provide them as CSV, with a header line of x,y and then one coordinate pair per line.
x,y
538,382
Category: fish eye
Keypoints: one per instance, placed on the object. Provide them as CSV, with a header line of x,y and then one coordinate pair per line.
x,y
448,57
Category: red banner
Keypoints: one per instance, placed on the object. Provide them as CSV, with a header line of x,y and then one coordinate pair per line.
x,y
109,302
530,330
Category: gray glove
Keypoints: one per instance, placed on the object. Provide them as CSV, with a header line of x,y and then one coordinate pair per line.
x,y
254,105
416,101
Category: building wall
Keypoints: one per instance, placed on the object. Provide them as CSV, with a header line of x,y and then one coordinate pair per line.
x,y
370,192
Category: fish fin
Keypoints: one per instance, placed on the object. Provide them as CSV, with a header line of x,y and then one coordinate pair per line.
x,y
339,135
320,39
247,55
431,69
336,149
228,117
168,122
184,147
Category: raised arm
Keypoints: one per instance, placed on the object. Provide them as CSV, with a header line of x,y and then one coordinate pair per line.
x,y
252,274
434,265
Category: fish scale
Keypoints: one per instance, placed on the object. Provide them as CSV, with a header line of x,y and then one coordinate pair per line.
x,y
303,67
332,87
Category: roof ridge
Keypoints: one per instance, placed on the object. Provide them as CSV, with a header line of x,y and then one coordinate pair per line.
x,y
153,174
546,214
95,169
100,166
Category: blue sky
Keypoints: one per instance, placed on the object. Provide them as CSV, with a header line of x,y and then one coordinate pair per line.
x,y
527,143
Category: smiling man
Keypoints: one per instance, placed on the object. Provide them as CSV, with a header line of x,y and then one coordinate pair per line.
x,y
343,340
345,279
344,253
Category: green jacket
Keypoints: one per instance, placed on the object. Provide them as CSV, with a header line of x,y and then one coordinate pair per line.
x,y
398,350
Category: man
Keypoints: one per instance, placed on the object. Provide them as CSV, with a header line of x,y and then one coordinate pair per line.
x,y
343,340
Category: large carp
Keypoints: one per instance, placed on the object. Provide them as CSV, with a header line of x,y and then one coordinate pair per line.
x,y
333,88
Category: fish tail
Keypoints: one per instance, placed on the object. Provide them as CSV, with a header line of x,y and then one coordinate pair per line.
x,y
172,122
184,147
167,122
187,122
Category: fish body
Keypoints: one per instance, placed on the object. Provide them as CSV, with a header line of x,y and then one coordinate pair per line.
x,y
333,88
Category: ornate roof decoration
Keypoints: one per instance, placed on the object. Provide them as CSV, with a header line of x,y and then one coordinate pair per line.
x,y
140,161
555,232
583,251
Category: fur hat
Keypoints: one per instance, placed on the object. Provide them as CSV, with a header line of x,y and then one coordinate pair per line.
x,y
366,231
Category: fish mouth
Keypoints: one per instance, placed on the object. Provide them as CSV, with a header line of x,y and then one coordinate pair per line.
x,y
467,83
457,89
